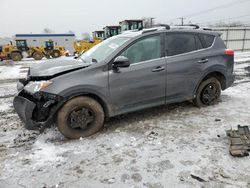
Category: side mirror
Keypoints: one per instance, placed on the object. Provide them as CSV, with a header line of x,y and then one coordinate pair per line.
x,y
121,61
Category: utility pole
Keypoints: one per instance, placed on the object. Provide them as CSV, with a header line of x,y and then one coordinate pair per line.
x,y
182,20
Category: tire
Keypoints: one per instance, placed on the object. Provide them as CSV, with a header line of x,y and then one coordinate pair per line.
x,y
208,93
73,111
37,55
55,54
16,56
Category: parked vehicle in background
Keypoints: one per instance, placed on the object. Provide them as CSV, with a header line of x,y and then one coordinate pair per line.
x,y
98,34
125,73
81,46
127,25
37,40
110,31
16,52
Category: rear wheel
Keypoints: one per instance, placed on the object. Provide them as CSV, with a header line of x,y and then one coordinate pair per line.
x,y
80,117
56,54
16,56
208,92
37,55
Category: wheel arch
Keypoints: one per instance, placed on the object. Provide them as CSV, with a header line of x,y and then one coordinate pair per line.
x,y
103,102
219,75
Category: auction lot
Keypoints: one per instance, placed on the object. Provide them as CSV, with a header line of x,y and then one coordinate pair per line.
x,y
177,145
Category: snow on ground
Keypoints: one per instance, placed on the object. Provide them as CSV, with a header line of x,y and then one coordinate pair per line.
x,y
154,148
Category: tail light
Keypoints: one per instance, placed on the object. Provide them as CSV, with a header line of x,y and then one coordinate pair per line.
x,y
229,52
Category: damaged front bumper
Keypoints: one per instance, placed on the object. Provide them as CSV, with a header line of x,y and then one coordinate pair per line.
x,y
36,111
24,109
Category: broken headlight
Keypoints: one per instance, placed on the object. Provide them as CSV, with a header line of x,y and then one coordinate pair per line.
x,y
35,86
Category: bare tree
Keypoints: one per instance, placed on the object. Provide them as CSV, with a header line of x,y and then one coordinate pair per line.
x,y
70,32
47,30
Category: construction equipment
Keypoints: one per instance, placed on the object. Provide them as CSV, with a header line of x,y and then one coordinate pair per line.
x,y
98,34
82,46
110,31
54,51
131,25
16,52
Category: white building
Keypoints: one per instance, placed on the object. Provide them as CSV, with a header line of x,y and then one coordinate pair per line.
x,y
33,40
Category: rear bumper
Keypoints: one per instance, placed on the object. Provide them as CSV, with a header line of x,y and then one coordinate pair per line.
x,y
230,81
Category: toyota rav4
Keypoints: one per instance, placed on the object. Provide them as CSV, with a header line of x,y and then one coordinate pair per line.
x,y
125,73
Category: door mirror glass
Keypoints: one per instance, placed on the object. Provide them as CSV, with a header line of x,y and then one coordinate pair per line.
x,y
121,61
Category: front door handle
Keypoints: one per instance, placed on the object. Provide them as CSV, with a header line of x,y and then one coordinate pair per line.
x,y
158,69
202,61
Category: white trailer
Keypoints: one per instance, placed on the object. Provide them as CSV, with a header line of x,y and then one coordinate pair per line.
x,y
33,40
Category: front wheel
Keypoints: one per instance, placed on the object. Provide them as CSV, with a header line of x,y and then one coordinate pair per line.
x,y
16,56
80,117
208,92
56,54
37,55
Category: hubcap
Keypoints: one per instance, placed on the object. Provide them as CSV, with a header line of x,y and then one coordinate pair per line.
x,y
81,118
210,94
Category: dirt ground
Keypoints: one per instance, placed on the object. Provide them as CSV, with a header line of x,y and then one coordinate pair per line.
x,y
172,146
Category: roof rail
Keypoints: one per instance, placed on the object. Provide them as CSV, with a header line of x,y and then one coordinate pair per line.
x,y
189,25
162,25
149,30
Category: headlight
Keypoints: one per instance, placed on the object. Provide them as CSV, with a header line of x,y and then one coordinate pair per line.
x,y
33,87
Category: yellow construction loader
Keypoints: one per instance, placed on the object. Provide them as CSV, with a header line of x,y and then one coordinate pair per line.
x,y
82,46
16,52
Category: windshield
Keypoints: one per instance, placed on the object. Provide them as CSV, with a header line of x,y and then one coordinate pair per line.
x,y
104,49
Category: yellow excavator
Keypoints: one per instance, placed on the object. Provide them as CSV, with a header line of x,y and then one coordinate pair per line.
x,y
16,52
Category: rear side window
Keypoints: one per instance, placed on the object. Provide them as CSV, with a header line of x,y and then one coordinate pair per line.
x,y
179,43
206,40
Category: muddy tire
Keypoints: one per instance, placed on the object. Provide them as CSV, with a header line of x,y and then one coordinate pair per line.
x,y
16,56
208,93
37,55
55,54
80,117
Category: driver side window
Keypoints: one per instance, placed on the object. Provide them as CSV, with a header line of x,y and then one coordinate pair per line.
x,y
146,49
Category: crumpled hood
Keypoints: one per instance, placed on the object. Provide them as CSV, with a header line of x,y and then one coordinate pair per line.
x,y
54,67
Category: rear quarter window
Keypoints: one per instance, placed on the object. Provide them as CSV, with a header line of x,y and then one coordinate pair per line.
x,y
180,43
206,40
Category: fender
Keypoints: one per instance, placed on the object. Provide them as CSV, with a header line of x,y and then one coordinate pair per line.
x,y
75,91
217,68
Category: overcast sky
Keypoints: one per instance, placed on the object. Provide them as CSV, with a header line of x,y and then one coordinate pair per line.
x,y
32,16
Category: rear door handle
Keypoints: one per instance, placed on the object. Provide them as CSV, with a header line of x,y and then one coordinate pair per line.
x,y
202,61
158,69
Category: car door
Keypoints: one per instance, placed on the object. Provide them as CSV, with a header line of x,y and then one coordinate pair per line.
x,y
185,63
142,84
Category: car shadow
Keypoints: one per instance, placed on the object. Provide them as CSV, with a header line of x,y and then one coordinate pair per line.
x,y
144,115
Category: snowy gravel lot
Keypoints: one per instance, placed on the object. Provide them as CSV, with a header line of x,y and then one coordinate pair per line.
x,y
155,148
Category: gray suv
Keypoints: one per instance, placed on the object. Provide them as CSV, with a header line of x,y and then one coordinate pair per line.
x,y
125,73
